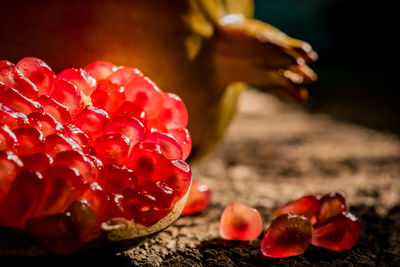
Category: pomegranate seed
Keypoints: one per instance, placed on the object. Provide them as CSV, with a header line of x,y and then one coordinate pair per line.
x,y
10,166
130,109
178,175
85,220
122,75
22,199
288,235
79,161
57,110
108,96
100,69
38,72
45,123
77,135
67,94
331,205
57,233
338,233
92,121
2,87
198,200
115,207
169,146
19,102
37,162
97,199
82,79
240,222
30,140
112,148
306,206
173,113
115,179
8,140
184,140
12,118
127,126
62,185
56,143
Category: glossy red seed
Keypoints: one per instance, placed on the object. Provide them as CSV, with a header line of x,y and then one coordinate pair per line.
x,y
178,175
130,109
306,206
45,123
21,200
108,96
62,185
115,178
10,166
56,143
97,199
8,140
173,113
100,69
184,140
57,110
198,200
85,220
123,75
19,102
38,72
92,121
288,235
77,135
57,233
67,94
12,118
169,146
337,233
112,148
82,79
79,161
37,162
130,127
115,207
240,222
30,140
331,205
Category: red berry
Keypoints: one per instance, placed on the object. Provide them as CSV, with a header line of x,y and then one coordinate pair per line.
x,y
169,146
306,206
56,143
127,126
82,79
100,69
45,123
112,148
184,140
8,140
19,102
37,162
12,118
108,96
57,110
85,220
68,94
198,200
331,205
288,235
130,109
92,121
115,179
77,135
337,233
10,166
173,113
123,75
30,140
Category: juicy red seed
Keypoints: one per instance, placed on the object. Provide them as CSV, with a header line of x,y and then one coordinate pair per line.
x,y
124,75
22,199
115,179
97,199
144,93
67,94
62,185
12,118
82,79
56,143
108,96
57,110
77,135
130,109
331,205
127,126
45,123
178,175
19,102
173,113
338,233
306,206
85,220
169,146
92,121
184,140
100,69
79,161
30,140
115,207
10,165
8,140
13,78
198,200
240,222
38,72
288,235
112,148
37,162
57,233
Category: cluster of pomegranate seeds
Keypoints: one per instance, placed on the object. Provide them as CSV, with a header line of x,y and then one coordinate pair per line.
x,y
322,221
85,146
198,200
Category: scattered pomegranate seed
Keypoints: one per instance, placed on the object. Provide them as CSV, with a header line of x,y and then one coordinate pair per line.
x,y
45,123
30,140
57,110
100,69
288,235
82,79
108,96
19,102
168,145
85,220
37,162
331,204
306,206
198,200
10,165
240,222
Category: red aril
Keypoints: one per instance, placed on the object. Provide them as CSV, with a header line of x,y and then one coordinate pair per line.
x,y
115,178
127,126
37,162
173,113
306,206
8,140
198,200
100,69
57,110
112,148
10,166
92,121
168,145
82,79
67,94
331,205
123,75
45,123
77,135
108,96
182,135
97,199
130,109
56,143
30,140
12,118
85,220
19,102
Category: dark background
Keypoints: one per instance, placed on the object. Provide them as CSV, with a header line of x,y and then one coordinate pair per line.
x,y
358,65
